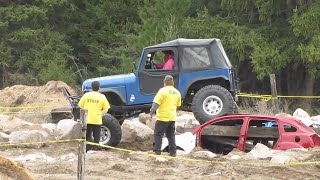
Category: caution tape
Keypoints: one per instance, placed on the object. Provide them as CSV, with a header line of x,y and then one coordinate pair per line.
x,y
164,156
304,97
24,107
148,154
41,142
29,107
269,97
303,163
264,97
24,112
34,112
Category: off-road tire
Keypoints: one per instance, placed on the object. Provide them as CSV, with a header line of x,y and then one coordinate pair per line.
x,y
12,170
222,96
114,130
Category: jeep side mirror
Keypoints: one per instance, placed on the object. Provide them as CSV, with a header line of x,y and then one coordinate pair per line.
x,y
148,62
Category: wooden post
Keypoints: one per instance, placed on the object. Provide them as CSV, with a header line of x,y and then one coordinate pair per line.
x,y
82,146
274,100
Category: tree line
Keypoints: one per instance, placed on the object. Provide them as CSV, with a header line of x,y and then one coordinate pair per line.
x,y
71,40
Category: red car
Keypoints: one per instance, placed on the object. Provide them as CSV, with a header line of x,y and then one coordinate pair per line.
x,y
222,134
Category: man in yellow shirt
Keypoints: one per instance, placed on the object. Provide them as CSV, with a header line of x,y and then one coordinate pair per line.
x,y
165,105
96,104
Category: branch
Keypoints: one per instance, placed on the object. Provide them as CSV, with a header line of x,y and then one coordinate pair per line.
x,y
77,66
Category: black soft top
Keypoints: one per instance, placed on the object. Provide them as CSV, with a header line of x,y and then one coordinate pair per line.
x,y
185,42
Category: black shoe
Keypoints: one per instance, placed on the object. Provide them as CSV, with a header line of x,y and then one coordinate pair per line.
x,y
157,152
97,148
173,154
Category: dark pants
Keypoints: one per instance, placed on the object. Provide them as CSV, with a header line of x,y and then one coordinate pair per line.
x,y
167,128
95,130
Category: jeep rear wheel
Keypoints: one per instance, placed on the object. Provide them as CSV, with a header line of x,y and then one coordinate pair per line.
x,y
212,101
110,134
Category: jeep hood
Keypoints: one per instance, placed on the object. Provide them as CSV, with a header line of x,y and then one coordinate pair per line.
x,y
108,81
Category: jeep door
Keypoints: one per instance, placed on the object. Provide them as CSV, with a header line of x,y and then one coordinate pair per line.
x,y
151,78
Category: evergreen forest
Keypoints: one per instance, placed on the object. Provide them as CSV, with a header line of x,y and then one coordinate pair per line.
x,y
72,40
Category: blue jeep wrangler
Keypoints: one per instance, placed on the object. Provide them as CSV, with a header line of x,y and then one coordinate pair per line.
x,y
203,75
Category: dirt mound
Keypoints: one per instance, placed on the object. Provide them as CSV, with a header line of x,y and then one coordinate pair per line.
x,y
50,94
11,170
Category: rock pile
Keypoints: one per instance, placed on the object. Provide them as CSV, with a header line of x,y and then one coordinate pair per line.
x,y
305,118
14,131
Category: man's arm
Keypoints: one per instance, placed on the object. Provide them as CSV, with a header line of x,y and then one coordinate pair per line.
x,y
179,101
105,106
156,102
81,102
154,108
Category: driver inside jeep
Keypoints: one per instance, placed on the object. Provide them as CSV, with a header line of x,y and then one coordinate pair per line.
x,y
168,58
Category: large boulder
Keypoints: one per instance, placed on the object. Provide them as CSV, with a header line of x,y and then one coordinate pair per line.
x,y
302,116
186,119
4,137
9,124
26,137
316,120
51,129
68,129
143,118
300,113
151,123
235,154
185,123
135,133
260,151
204,154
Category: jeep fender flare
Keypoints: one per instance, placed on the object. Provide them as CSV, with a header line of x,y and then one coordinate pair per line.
x,y
117,92
201,79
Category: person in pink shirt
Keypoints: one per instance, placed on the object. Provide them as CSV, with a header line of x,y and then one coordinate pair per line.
x,y
168,61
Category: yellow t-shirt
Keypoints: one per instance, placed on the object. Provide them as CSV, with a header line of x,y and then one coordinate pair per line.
x,y
168,98
95,103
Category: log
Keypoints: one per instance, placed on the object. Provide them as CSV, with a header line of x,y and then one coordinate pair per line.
x,y
82,148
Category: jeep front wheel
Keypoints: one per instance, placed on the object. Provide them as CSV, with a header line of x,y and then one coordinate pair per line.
x,y
212,101
110,134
